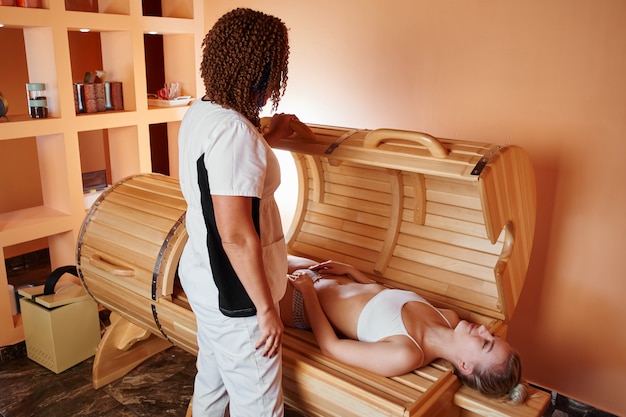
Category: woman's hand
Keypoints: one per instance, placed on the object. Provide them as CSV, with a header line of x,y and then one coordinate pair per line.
x,y
279,127
301,281
271,333
338,268
333,268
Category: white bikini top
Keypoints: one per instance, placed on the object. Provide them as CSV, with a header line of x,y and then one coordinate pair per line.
x,y
382,316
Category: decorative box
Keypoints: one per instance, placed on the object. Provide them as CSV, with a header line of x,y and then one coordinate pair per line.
x,y
61,329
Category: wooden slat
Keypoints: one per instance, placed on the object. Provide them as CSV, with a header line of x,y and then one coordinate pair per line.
x,y
428,391
507,187
455,225
359,259
333,249
122,247
350,225
444,263
342,395
160,184
303,343
362,195
437,290
415,198
452,237
467,188
334,222
395,222
376,183
354,214
455,212
371,206
356,240
115,297
439,278
179,324
410,278
139,283
477,405
148,206
451,199
453,251
141,225
148,195
437,401
393,395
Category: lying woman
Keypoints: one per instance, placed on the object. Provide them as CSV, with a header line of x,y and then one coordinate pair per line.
x,y
391,332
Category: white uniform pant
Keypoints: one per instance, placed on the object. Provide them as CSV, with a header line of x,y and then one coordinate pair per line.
x,y
231,371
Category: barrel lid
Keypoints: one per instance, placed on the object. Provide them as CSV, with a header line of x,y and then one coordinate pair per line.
x,y
67,295
450,219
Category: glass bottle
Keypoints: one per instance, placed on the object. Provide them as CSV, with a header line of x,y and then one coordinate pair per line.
x,y
37,101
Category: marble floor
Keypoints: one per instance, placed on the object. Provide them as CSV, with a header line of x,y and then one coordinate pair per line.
x,y
161,386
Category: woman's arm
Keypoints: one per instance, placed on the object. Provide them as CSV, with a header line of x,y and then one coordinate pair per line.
x,y
385,358
339,268
298,262
279,128
243,248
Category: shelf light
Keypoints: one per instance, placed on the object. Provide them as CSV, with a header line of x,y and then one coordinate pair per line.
x,y
1,25
84,30
153,32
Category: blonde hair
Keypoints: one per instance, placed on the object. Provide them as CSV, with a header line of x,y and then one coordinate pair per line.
x,y
505,383
244,60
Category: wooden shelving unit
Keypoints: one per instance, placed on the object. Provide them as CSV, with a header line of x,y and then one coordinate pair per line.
x,y
122,26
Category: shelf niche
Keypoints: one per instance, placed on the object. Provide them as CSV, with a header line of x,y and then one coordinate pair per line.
x,y
99,6
121,149
19,162
168,8
31,61
107,51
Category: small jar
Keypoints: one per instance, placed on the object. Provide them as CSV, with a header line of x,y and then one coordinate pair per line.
x,y
37,101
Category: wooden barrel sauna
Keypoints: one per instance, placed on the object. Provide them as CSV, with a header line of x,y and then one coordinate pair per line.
x,y
128,251
452,220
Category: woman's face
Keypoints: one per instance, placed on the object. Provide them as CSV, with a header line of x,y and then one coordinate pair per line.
x,y
480,349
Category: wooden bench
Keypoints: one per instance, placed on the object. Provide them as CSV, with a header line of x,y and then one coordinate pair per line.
x,y
449,219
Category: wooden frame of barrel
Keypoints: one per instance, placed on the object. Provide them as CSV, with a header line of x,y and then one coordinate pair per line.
x,y
452,220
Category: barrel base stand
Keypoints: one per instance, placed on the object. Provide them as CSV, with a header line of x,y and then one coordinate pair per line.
x,y
123,347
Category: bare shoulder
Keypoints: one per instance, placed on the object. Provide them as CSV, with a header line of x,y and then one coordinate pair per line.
x,y
451,315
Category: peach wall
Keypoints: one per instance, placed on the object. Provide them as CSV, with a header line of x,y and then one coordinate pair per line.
x,y
548,75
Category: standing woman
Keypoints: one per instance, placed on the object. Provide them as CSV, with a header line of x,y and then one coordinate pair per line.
x,y
234,264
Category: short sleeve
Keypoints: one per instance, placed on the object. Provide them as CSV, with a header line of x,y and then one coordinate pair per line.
x,y
236,161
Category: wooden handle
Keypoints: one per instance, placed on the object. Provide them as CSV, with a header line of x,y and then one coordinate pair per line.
x,y
302,130
378,136
117,270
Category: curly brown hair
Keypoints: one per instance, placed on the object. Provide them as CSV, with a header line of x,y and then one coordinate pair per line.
x,y
244,63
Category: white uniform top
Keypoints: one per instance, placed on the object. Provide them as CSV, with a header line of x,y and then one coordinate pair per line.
x,y
222,153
